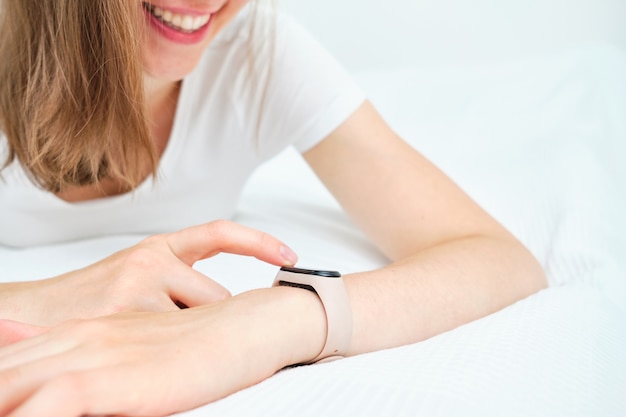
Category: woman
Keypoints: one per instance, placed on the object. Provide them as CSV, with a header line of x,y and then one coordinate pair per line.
x,y
132,113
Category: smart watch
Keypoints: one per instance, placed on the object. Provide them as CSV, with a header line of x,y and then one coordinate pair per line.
x,y
330,288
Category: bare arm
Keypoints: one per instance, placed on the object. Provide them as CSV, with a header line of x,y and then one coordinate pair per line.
x,y
452,262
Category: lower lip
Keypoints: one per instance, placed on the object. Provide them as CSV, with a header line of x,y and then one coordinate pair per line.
x,y
174,35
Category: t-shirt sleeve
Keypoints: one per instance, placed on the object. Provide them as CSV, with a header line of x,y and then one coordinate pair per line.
x,y
308,93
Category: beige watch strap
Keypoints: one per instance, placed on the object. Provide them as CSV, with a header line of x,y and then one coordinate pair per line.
x,y
330,288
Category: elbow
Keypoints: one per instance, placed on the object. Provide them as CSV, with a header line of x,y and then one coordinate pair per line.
x,y
537,278
525,270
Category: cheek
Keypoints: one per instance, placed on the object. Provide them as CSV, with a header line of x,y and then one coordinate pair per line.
x,y
226,14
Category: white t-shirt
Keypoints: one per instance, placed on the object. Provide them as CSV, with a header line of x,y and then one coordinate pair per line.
x,y
217,140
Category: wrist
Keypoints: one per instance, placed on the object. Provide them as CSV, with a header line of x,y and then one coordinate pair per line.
x,y
294,324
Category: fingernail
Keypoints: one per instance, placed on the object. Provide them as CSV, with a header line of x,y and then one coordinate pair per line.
x,y
288,255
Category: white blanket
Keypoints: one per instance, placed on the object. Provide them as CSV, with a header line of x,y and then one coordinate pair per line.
x,y
541,144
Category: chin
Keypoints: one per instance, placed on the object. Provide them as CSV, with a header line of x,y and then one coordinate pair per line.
x,y
169,68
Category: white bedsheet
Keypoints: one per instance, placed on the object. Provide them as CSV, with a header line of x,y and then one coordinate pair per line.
x,y
541,144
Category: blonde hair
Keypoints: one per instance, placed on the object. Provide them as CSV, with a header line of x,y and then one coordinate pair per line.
x,y
71,92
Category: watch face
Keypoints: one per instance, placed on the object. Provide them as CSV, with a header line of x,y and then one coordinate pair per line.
x,y
329,274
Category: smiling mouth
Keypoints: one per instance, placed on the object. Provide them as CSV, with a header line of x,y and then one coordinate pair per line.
x,y
179,22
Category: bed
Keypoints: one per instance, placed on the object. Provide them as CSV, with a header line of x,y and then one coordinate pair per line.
x,y
540,142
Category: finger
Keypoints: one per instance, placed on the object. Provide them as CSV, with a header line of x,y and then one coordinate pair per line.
x,y
193,289
17,384
203,241
63,338
21,382
109,391
60,397
13,331
31,349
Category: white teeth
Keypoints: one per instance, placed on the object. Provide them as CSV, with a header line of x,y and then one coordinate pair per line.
x,y
186,23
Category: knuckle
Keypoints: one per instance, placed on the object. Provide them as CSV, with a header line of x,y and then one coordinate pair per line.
x,y
10,378
123,289
86,329
139,257
153,239
219,228
141,277
131,295
265,240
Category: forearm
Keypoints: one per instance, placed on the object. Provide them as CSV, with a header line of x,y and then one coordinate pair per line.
x,y
433,291
439,289
222,347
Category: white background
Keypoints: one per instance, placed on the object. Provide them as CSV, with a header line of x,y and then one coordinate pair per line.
x,y
387,33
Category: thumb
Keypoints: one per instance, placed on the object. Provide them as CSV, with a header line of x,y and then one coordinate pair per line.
x,y
14,331
192,288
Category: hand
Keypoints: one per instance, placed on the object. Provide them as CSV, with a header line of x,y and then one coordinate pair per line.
x,y
154,275
154,364
14,331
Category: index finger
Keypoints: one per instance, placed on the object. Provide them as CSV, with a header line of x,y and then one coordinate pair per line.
x,y
203,241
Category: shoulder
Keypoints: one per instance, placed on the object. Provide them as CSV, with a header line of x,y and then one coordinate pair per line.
x,y
270,77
